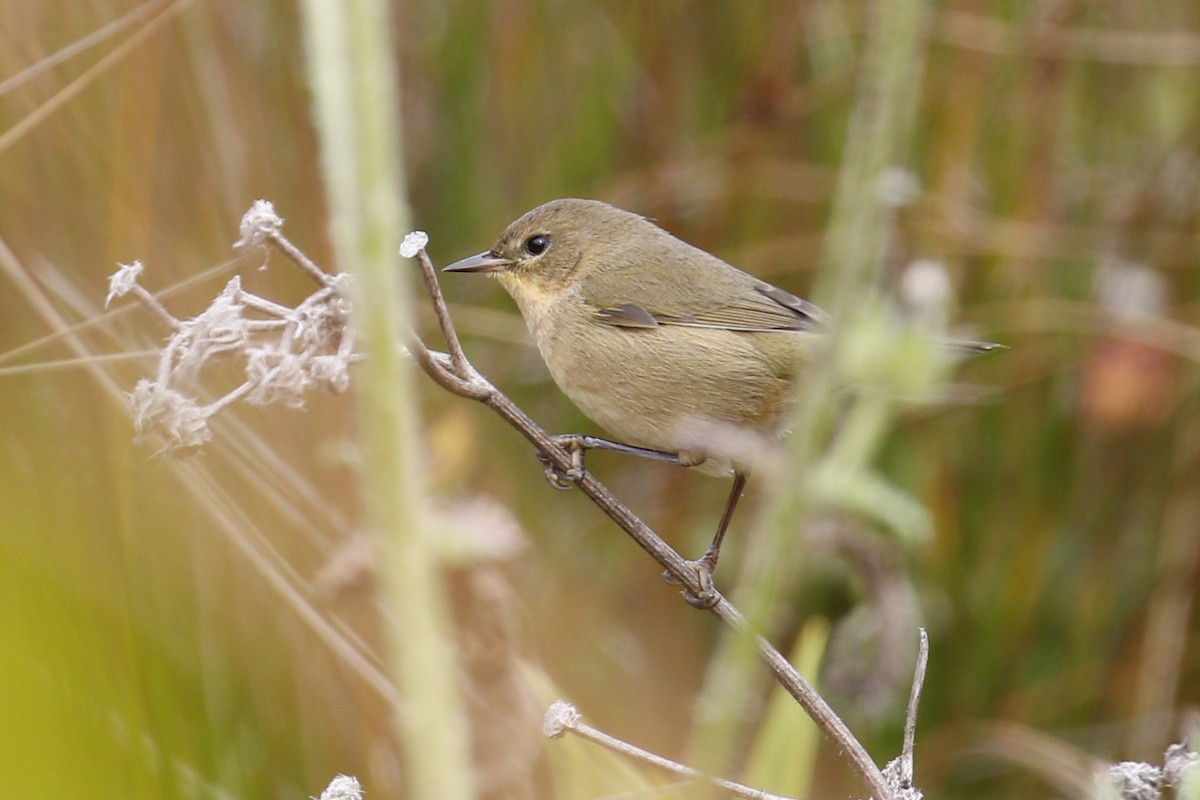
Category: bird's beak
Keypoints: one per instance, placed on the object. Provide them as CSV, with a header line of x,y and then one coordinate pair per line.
x,y
482,262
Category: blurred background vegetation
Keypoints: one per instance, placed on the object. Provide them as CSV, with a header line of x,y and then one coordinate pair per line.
x,y
208,627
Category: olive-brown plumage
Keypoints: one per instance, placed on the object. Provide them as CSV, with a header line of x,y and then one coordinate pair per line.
x,y
647,334
655,339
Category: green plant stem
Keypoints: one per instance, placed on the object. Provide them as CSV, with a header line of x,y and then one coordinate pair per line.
x,y
352,77
878,139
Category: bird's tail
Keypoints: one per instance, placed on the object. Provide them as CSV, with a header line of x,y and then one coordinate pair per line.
x,y
969,347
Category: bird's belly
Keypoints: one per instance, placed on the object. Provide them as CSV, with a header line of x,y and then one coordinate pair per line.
x,y
663,388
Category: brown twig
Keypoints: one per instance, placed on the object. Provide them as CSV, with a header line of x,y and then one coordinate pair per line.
x,y
562,717
297,257
429,276
455,373
910,719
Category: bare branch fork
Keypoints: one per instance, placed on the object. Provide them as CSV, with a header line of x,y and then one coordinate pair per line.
x,y
453,372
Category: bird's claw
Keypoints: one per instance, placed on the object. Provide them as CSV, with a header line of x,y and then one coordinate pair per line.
x,y
556,477
708,596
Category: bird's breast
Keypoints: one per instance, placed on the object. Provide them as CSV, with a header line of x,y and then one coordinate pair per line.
x,y
659,387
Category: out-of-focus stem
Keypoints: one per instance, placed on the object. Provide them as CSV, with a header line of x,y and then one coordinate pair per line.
x,y
877,140
352,74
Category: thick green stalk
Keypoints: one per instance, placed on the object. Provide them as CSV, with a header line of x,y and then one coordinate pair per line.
x,y
357,118
878,140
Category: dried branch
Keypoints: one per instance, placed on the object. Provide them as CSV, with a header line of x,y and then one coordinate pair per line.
x,y
458,376
562,717
312,345
910,719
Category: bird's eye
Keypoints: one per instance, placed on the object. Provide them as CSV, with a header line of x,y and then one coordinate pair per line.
x,y
536,245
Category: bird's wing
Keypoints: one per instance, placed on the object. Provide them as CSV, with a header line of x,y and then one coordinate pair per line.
x,y
700,294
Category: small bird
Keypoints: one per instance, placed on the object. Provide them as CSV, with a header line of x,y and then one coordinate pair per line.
x,y
651,337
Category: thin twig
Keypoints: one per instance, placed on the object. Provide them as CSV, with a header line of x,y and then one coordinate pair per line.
x,y
429,275
461,378
910,719
562,717
229,399
302,261
151,302
813,704
264,305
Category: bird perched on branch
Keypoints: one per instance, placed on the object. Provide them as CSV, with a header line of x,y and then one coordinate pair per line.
x,y
652,338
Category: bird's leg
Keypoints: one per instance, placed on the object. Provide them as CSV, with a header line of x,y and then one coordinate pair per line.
x,y
708,562
709,559
577,444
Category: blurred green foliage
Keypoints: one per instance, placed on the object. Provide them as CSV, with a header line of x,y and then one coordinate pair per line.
x,y
156,633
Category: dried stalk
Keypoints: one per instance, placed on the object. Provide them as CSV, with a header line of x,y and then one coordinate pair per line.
x,y
457,375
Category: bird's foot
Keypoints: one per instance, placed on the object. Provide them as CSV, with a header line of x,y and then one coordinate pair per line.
x,y
708,596
574,444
